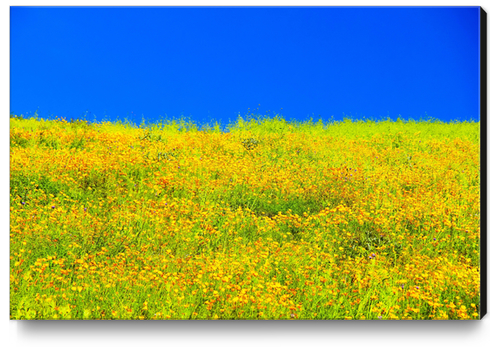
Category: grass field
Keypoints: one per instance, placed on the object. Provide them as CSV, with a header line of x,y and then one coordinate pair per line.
x,y
269,220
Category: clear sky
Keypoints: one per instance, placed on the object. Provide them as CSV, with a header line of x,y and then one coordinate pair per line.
x,y
209,64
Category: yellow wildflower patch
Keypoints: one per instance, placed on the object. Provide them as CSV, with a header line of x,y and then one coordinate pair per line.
x,y
270,220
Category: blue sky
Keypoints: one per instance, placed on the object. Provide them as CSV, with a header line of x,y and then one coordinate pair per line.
x,y
207,64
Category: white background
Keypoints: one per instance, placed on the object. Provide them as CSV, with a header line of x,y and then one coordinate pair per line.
x,y
210,333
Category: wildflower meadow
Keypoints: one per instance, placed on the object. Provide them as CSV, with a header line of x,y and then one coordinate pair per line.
x,y
264,220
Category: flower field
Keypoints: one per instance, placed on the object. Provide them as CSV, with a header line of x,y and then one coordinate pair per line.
x,y
269,220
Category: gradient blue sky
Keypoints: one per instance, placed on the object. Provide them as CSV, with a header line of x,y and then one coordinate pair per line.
x,y
216,63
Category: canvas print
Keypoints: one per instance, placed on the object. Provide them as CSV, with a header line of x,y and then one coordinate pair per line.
x,y
245,163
